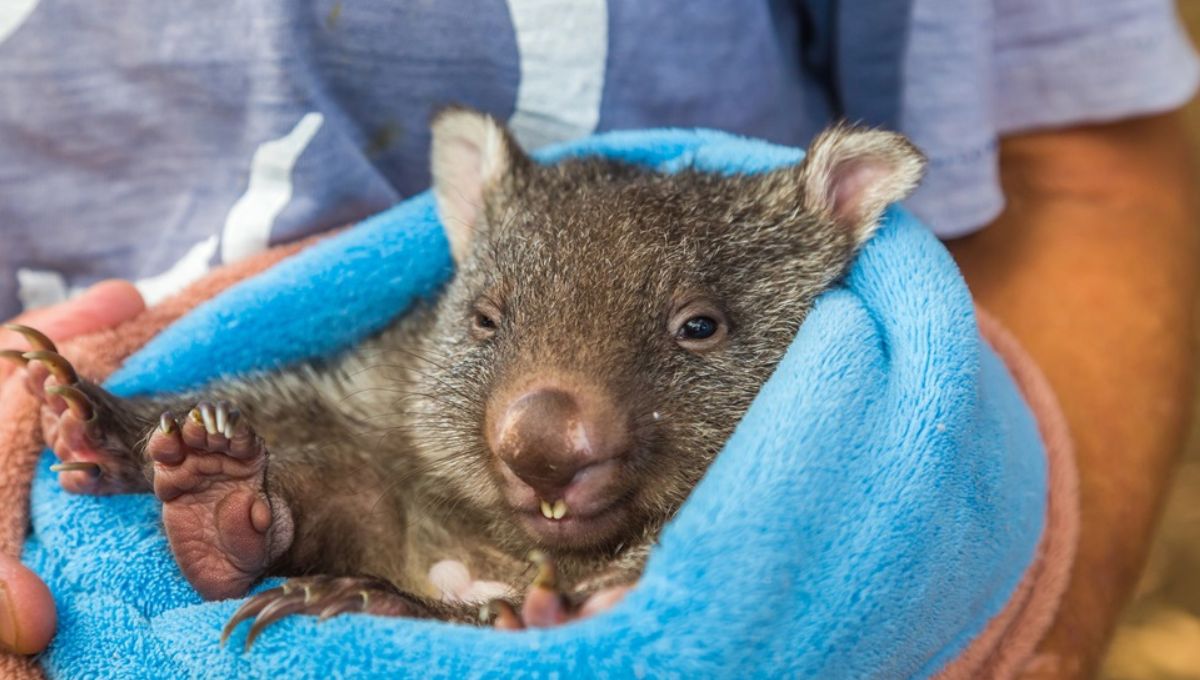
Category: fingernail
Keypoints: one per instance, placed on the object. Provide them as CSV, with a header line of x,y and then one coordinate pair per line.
x,y
9,634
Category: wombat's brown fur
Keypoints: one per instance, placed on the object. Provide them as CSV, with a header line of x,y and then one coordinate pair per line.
x,y
607,327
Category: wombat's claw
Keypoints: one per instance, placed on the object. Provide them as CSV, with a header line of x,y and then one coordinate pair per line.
x,y
325,597
14,355
59,367
71,420
76,400
34,337
547,571
545,605
502,614
91,468
210,474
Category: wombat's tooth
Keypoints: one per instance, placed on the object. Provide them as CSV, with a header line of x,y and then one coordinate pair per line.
x,y
60,367
222,420
194,414
560,508
14,355
166,423
547,510
76,400
78,466
35,339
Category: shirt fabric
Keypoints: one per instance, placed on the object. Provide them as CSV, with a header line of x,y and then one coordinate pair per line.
x,y
151,141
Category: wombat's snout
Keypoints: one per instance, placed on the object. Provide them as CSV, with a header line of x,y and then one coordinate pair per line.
x,y
544,440
559,450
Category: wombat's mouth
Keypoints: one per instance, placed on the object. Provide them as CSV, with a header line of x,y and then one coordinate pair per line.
x,y
586,513
574,530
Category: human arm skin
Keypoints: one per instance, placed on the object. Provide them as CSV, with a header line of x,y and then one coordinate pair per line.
x,y
1094,266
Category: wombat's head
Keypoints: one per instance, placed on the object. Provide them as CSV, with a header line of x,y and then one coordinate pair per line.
x,y
609,324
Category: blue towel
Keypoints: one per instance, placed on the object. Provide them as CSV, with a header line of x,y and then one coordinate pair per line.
x,y
877,505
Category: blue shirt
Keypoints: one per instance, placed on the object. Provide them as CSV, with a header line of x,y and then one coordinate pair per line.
x,y
152,141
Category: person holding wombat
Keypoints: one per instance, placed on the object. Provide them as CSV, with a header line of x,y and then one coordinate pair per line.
x,y
1095,212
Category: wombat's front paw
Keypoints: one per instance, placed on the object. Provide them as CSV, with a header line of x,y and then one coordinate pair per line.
x,y
77,421
210,474
327,596
546,606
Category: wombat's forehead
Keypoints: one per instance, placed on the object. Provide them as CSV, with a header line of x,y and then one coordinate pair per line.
x,y
604,264
628,225
627,238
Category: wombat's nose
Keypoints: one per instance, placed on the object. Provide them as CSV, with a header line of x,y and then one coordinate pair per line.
x,y
545,437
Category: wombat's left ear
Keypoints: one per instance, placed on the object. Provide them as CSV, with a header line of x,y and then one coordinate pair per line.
x,y
471,154
850,175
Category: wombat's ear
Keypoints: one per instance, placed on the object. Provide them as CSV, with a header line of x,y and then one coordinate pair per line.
x,y
851,174
470,154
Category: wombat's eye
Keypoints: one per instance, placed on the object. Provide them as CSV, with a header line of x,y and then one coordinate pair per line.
x,y
699,326
485,319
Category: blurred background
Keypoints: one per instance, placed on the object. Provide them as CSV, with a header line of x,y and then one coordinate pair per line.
x,y
1159,637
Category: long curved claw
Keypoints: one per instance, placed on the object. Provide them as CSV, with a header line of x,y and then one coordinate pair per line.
x,y
76,400
292,603
36,339
249,609
324,597
346,605
14,355
59,366
78,466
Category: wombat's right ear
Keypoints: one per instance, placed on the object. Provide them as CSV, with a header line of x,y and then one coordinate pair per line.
x,y
470,154
850,175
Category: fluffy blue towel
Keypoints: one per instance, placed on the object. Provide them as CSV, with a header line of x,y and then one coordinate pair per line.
x,y
877,505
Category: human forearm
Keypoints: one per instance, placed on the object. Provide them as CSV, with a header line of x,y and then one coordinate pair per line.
x,y
1093,266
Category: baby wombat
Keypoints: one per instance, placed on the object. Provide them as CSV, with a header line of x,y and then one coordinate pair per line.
x,y
607,327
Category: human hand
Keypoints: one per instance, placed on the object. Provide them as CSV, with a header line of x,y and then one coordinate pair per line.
x,y
104,305
27,616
